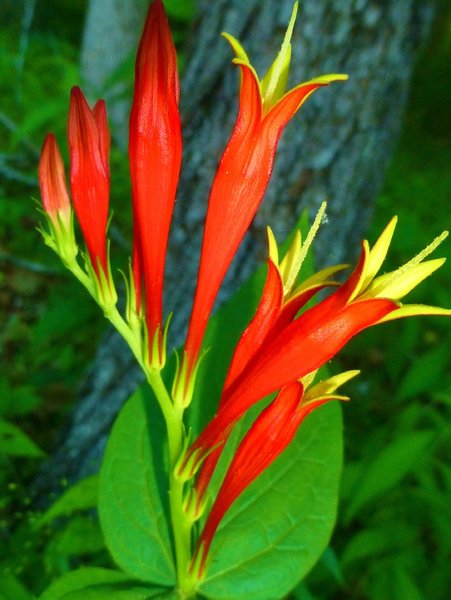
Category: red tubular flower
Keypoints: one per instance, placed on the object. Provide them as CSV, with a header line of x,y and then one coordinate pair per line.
x,y
296,348
243,175
268,437
52,182
89,142
155,149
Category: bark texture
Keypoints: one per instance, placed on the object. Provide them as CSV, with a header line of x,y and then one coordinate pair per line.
x,y
337,148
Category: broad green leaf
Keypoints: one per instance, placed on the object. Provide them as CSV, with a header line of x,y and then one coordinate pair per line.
x,y
405,586
81,579
81,496
388,468
368,545
330,561
18,400
276,531
302,593
81,535
425,374
12,588
132,505
15,442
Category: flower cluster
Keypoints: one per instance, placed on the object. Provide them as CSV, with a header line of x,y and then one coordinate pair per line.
x,y
287,341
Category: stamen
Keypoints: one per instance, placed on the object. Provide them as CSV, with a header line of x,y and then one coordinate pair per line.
x,y
299,259
421,255
289,33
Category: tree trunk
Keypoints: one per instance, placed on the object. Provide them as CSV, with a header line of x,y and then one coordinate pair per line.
x,y
337,148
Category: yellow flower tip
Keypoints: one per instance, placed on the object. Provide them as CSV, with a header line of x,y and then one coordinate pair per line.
x,y
378,252
274,83
326,79
327,387
273,251
403,280
237,48
415,310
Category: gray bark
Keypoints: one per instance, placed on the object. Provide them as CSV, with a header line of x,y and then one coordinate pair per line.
x,y
337,148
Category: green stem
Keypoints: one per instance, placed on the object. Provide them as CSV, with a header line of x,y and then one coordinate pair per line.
x,y
181,526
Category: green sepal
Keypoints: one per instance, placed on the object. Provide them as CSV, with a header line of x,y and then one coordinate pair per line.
x,y
60,236
183,388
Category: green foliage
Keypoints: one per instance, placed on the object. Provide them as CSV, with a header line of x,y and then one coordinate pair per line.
x,y
15,442
79,497
131,500
91,582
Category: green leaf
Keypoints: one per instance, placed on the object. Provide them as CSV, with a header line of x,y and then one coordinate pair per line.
x,y
81,579
388,468
91,583
81,496
132,498
15,442
405,586
276,531
366,546
12,588
426,373
81,535
302,593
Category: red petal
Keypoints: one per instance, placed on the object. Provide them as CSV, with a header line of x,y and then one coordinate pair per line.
x,y
88,178
237,190
52,179
155,149
255,334
100,116
287,107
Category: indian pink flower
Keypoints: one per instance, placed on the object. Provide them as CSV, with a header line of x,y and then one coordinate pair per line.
x,y
89,144
155,149
243,175
291,350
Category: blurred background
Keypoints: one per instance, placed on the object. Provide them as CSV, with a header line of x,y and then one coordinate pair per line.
x,y
393,535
